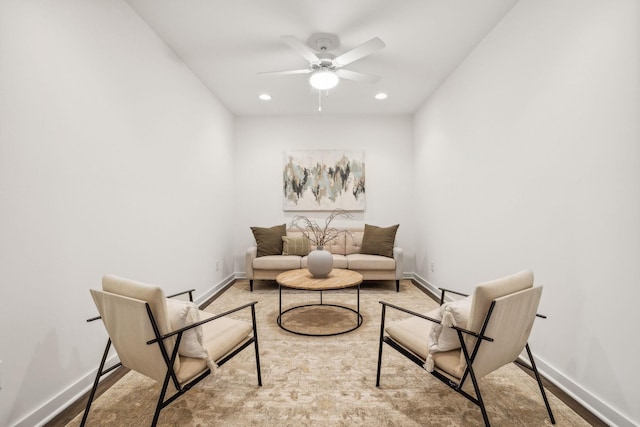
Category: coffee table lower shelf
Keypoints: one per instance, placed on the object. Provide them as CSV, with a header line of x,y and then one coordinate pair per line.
x,y
308,334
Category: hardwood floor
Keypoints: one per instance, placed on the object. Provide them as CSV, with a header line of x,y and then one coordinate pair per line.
x,y
567,400
64,417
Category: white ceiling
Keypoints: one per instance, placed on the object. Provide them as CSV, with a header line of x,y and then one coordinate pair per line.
x,y
226,43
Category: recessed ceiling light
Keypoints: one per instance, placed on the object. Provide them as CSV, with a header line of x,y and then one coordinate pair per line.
x,y
265,97
381,95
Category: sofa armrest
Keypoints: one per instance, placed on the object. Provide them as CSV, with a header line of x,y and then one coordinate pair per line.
x,y
252,253
398,255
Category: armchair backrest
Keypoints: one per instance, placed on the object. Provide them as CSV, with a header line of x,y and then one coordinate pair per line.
x,y
122,306
511,320
510,325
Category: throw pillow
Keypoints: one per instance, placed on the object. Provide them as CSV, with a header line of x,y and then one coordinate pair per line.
x,y
269,240
378,240
182,314
454,313
295,246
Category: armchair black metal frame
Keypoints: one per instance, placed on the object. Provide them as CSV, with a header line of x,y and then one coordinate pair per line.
x,y
469,355
171,358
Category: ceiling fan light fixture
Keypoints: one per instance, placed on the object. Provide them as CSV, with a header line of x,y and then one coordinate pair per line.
x,y
323,79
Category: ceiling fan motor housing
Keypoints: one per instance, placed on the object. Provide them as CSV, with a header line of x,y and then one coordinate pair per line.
x,y
323,42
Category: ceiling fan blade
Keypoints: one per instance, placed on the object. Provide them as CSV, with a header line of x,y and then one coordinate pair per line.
x,y
359,52
286,72
358,77
301,48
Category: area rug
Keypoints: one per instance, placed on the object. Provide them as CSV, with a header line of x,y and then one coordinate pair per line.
x,y
326,381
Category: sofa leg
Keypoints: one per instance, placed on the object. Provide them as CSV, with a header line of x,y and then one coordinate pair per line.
x,y
251,284
397,285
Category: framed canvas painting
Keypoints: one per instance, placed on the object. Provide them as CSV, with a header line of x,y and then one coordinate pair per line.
x,y
318,180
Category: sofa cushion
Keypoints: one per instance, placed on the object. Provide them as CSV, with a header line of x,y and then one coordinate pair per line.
x,y
337,245
353,241
370,262
378,240
277,262
269,240
295,245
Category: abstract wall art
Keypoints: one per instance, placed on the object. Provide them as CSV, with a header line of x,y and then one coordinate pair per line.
x,y
318,180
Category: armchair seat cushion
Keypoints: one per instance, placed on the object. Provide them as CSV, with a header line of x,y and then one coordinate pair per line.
x,y
224,334
370,262
413,333
220,336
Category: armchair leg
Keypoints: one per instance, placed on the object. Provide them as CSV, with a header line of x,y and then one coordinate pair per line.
x,y
538,379
161,403
251,284
255,343
384,308
397,285
101,372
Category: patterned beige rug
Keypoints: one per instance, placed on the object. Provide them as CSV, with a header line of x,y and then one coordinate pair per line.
x,y
326,381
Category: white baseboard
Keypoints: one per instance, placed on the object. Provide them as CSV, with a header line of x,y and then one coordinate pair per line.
x,y
59,403
215,289
606,413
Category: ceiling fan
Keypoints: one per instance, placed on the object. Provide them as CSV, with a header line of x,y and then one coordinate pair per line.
x,y
325,67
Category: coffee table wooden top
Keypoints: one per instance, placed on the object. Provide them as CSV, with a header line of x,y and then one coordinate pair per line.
x,y
302,279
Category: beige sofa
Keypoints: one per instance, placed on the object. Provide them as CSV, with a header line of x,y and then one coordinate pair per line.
x,y
346,254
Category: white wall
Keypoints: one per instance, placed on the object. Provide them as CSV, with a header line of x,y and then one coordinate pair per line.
x,y
113,158
529,157
261,141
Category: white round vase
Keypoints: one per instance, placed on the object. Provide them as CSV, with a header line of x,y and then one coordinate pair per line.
x,y
320,262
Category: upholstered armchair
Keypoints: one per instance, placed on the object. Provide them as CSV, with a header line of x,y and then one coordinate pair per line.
x,y
468,338
168,340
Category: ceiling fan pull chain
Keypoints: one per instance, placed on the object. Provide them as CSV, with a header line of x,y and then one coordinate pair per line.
x,y
319,100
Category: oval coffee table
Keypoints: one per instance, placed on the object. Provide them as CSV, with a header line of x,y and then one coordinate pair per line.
x,y
302,279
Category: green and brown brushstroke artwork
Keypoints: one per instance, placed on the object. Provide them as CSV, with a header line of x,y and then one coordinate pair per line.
x,y
323,180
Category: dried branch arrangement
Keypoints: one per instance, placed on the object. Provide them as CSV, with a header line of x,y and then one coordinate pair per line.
x,y
319,235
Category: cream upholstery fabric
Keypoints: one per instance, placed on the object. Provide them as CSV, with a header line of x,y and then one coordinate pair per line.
x,y
220,337
370,262
518,311
354,241
122,308
337,245
277,262
127,324
413,333
486,292
483,295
